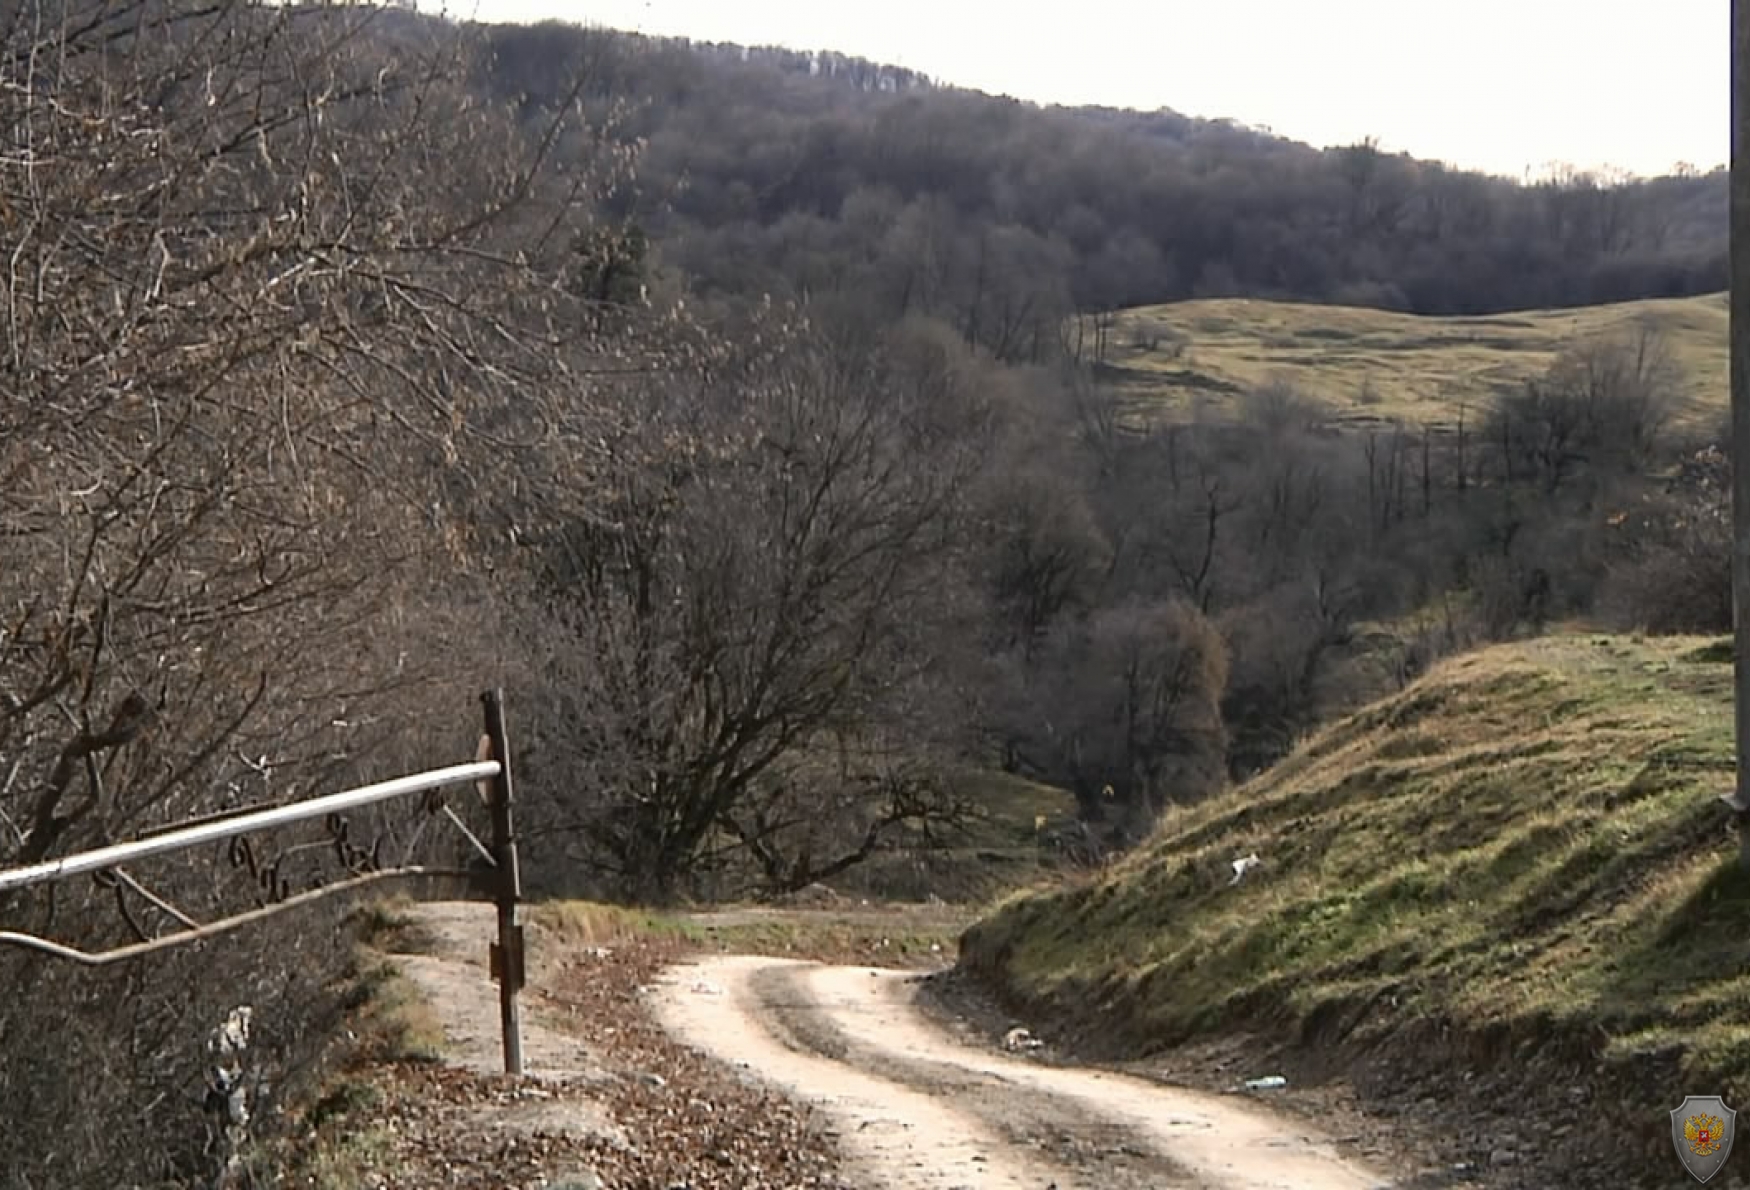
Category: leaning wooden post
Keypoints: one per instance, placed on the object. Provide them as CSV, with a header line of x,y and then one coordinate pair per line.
x,y
506,953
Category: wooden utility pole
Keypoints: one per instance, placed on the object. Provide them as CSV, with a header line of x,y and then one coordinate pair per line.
x,y
1739,799
507,951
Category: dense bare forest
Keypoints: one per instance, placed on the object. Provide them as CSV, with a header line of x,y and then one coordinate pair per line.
x,y
786,174
722,406
1121,583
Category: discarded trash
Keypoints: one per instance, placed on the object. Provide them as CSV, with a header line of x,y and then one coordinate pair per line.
x,y
1243,865
232,1037
702,988
1021,1039
1269,1082
597,952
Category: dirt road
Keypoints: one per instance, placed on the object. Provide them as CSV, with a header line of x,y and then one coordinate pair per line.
x,y
918,1110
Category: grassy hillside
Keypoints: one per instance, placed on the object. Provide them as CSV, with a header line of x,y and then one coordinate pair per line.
x,y
1521,852
1192,358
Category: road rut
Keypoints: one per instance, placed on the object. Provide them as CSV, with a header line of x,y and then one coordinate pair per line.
x,y
918,1110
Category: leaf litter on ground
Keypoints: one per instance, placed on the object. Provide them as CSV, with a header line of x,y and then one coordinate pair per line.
x,y
678,1120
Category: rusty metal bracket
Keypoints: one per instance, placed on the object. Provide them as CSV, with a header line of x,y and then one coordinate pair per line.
x,y
507,960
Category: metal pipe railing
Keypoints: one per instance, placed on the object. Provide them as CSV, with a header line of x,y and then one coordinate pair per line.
x,y
490,771
134,950
225,828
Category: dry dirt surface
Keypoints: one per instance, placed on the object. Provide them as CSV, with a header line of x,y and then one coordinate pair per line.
x,y
451,979
607,1102
652,1068
916,1108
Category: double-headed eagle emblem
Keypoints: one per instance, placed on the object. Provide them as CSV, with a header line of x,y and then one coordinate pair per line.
x,y
1703,1132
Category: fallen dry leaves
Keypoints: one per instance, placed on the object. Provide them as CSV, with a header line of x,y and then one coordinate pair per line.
x,y
689,1122
679,1121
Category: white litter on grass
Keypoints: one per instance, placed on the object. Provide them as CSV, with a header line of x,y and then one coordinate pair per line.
x,y
232,1037
1243,865
1270,1082
228,1088
1021,1039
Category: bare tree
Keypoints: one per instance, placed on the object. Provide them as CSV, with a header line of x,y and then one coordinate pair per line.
x,y
1047,556
760,609
284,306
1671,569
1099,418
1603,405
1123,709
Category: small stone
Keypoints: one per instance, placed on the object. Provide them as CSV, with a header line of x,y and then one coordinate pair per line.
x,y
577,1179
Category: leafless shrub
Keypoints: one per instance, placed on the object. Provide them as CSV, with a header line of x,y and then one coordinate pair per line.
x,y
286,318
1278,408
1123,709
1604,404
1673,569
1281,645
1047,554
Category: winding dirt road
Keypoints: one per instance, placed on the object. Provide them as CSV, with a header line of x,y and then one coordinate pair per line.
x,y
918,1110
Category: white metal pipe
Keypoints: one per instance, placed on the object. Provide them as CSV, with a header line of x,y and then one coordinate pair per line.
x,y
207,832
135,950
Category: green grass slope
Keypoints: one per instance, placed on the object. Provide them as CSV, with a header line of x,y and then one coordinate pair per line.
x,y
1192,359
1522,853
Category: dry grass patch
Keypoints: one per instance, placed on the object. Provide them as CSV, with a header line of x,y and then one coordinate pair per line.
x,y
1375,366
848,932
591,923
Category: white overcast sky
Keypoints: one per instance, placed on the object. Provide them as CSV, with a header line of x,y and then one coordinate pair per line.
x,y
1502,85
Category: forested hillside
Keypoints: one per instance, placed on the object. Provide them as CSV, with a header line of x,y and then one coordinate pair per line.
x,y
750,423
1003,217
1121,582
